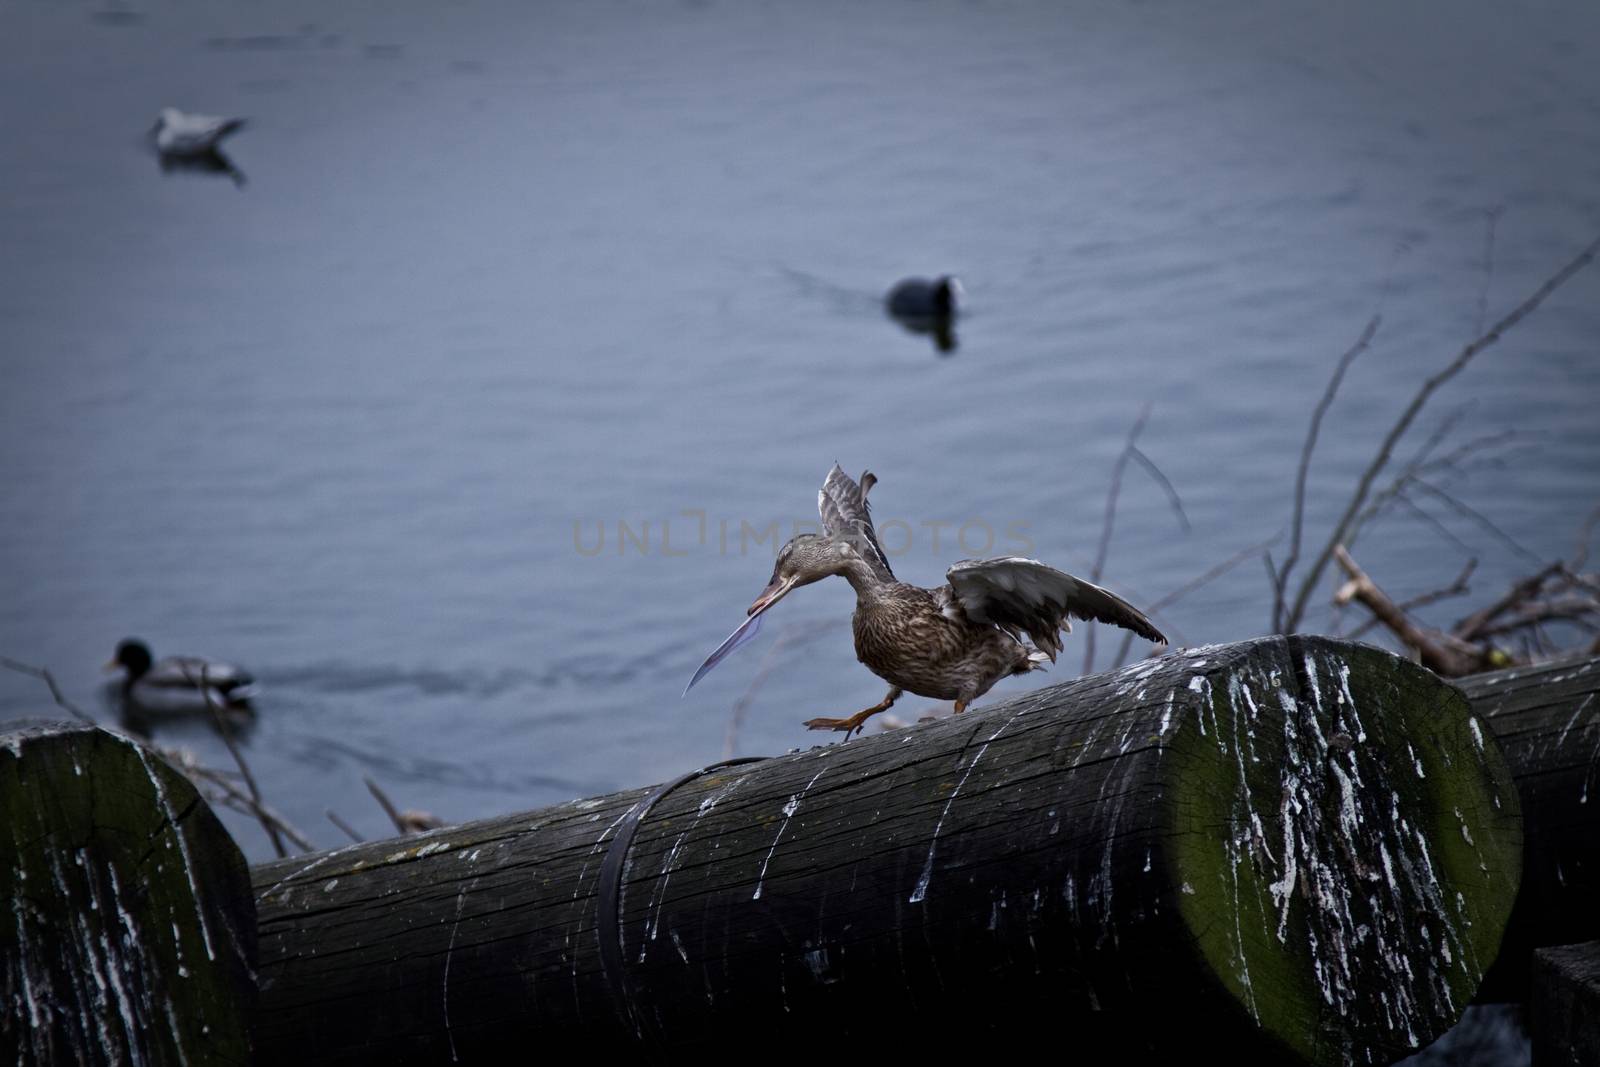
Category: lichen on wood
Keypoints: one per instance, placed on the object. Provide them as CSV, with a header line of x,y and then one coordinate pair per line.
x,y
131,935
1349,862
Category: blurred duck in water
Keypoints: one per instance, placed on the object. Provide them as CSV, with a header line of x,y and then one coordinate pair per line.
x,y
927,307
179,683
193,143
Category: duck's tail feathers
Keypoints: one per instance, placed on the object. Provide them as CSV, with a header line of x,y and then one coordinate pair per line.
x,y
240,696
1036,661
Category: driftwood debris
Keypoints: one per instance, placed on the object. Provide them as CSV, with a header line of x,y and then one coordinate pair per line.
x,y
131,934
1294,849
1484,640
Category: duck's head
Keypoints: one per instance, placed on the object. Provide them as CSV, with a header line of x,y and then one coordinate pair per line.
x,y
133,656
805,559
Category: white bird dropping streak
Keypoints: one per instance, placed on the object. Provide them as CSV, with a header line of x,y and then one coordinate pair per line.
x,y
788,813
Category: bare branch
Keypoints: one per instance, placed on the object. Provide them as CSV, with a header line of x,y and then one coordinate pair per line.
x,y
386,804
1439,652
1470,627
225,729
1298,521
1439,527
1109,521
1459,587
1169,599
349,831
1479,519
1386,448
50,682
1166,486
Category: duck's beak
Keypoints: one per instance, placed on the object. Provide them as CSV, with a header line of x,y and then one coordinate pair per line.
x,y
111,665
774,592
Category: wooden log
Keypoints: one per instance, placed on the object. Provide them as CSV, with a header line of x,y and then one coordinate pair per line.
x,y
1564,1008
1547,721
131,934
1290,849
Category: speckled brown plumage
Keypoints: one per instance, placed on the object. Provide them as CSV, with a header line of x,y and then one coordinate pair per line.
x,y
950,643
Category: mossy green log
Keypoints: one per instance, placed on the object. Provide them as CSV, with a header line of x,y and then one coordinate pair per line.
x,y
1290,850
131,932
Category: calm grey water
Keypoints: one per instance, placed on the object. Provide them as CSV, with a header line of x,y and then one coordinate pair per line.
x,y
508,278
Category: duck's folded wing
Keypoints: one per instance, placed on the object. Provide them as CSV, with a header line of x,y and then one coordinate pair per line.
x,y
1024,596
842,503
191,671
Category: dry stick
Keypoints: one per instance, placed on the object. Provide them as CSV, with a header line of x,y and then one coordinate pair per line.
x,y
49,680
1191,585
1166,485
1570,609
350,832
1359,497
218,790
1298,522
1459,587
1479,519
226,731
388,806
1110,519
1448,463
1440,528
1469,628
1438,652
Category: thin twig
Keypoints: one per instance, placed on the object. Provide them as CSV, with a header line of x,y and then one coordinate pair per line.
x,y
1166,486
55,690
349,831
384,802
225,729
1446,464
1112,492
1298,521
1477,517
1580,553
1171,598
1386,448
1440,528
1459,587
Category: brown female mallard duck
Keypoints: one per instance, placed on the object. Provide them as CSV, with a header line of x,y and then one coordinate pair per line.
x,y
950,643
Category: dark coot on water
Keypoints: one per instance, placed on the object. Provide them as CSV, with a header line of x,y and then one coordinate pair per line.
x,y
930,307
919,298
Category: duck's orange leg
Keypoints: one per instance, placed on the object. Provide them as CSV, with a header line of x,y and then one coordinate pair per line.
x,y
961,705
858,720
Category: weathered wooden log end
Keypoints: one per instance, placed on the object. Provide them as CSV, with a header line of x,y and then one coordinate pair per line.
x,y
131,931
1349,876
1283,851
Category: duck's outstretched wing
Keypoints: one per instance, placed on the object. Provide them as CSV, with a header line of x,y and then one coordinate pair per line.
x,y
1025,596
843,506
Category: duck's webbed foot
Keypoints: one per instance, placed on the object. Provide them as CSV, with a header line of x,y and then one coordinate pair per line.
x,y
857,721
